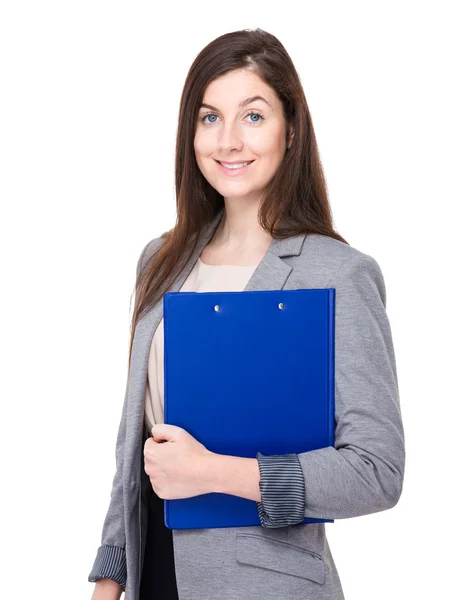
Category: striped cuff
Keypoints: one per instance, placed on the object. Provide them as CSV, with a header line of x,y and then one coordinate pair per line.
x,y
110,562
282,490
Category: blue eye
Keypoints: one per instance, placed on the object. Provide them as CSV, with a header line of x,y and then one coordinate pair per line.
x,y
255,115
251,113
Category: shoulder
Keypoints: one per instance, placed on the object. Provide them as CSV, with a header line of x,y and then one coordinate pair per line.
x,y
331,254
342,265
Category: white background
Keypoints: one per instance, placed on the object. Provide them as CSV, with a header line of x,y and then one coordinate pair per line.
x,y
89,99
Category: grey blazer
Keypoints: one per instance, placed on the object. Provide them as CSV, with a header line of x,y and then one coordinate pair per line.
x,y
362,473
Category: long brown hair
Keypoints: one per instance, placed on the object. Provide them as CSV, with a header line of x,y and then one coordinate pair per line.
x,y
296,199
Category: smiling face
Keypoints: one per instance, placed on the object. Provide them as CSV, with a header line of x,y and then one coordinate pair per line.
x,y
235,126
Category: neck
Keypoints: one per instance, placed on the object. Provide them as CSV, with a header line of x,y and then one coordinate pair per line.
x,y
239,228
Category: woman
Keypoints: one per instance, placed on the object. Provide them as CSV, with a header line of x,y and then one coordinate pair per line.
x,y
252,214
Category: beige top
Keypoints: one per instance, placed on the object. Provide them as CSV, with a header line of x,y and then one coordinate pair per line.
x,y
202,278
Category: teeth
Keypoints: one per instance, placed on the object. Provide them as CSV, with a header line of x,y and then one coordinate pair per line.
x,y
235,166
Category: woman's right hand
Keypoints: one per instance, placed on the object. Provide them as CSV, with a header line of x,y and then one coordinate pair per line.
x,y
107,589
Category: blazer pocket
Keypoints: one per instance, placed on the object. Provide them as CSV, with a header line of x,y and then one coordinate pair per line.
x,y
279,556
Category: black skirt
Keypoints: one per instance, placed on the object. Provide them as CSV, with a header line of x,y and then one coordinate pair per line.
x,y
158,580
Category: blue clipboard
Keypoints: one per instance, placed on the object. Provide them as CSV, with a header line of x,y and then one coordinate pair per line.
x,y
248,372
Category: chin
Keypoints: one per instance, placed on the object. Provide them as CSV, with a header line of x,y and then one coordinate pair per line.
x,y
233,191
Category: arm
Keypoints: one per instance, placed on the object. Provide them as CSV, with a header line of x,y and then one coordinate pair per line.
x,y
107,589
110,562
363,472
233,475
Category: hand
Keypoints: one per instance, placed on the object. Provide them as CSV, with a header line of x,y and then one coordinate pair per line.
x,y
178,467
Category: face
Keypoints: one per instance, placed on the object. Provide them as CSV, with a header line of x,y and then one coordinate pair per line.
x,y
234,126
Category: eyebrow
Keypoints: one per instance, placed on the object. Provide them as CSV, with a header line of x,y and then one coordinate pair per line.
x,y
241,104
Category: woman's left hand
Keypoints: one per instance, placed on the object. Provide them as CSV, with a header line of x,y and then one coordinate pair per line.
x,y
179,467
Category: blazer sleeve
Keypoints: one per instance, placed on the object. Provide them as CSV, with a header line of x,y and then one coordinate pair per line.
x,y
363,472
110,561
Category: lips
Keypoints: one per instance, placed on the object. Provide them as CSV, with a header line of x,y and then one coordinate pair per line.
x,y
236,171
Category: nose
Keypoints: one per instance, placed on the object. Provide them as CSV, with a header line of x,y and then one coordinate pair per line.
x,y
229,138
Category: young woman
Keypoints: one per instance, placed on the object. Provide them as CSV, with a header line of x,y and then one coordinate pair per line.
x,y
252,214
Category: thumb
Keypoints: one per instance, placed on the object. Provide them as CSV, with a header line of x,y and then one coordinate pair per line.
x,y
162,432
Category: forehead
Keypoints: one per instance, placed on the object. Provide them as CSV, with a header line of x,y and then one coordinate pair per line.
x,y
234,87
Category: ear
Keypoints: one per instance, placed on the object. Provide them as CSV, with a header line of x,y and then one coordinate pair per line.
x,y
290,137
